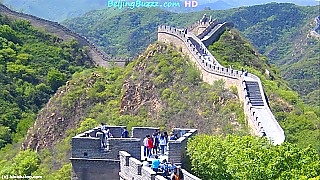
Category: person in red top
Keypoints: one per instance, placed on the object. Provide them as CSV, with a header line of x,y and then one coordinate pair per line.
x,y
149,146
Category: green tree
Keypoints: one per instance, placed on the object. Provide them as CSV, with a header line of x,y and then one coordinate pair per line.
x,y
248,157
25,163
55,78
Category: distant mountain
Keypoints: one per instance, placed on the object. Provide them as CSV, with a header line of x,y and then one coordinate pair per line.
x,y
275,29
58,10
218,5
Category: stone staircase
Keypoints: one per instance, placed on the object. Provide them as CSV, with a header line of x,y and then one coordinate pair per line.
x,y
254,93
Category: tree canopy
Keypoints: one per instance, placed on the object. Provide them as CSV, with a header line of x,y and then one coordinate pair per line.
x,y
248,157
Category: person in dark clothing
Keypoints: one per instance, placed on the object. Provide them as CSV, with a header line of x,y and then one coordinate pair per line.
x,y
125,133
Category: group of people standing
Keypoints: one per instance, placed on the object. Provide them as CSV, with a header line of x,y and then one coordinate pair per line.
x,y
157,142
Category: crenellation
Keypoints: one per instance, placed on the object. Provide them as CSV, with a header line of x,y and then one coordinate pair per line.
x,y
135,165
270,127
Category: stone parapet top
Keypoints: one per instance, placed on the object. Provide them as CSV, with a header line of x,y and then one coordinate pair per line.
x,y
89,159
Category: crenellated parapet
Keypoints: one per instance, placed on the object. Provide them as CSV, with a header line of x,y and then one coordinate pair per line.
x,y
260,118
122,156
132,168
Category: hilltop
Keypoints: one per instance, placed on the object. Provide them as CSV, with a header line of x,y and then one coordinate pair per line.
x,y
277,30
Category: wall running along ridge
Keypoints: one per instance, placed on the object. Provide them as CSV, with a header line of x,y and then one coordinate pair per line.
x,y
260,118
99,57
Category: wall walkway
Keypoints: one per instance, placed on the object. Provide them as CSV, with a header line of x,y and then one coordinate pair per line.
x,y
260,117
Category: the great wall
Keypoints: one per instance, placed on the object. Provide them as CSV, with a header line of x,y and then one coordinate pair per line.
x,y
250,90
99,57
122,156
315,31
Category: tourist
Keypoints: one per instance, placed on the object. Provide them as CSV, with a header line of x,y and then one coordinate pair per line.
x,y
149,146
174,175
165,168
173,136
172,166
125,133
155,164
155,138
100,135
145,144
166,136
162,143
180,174
145,162
108,133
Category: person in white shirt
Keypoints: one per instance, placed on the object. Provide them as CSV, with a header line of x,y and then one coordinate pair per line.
x,y
162,143
145,142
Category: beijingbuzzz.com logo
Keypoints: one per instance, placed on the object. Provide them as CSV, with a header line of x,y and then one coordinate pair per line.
x,y
140,3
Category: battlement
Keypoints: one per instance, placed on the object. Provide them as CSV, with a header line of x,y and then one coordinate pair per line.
x,y
260,118
89,158
131,168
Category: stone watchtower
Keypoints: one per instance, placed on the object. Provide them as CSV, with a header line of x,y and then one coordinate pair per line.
x,y
91,161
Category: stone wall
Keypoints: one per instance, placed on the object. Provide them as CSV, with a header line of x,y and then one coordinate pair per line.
x,y
215,35
89,160
141,132
99,57
177,148
94,169
211,73
131,168
207,29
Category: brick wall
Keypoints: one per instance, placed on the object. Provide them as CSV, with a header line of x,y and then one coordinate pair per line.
x,y
131,145
177,149
94,169
131,168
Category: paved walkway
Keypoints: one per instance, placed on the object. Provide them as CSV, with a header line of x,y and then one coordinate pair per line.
x,y
161,157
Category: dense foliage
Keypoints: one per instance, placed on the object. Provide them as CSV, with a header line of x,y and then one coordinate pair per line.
x,y
95,95
278,30
247,157
33,64
300,122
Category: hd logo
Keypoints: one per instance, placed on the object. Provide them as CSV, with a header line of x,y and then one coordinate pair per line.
x,y
192,4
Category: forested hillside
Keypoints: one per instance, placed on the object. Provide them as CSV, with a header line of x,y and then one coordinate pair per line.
x,y
33,65
158,89
248,157
300,122
277,30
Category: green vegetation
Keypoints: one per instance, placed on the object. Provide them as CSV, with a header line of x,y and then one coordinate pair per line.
x,y
299,121
248,157
124,32
33,64
277,30
171,92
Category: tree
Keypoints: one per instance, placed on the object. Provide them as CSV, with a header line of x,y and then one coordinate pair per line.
x,y
25,163
55,78
247,157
